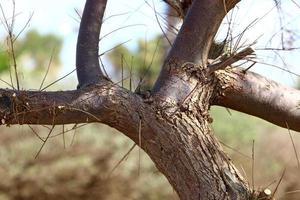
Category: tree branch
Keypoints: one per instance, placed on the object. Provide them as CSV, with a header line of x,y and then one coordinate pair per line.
x,y
192,45
104,102
87,63
198,30
253,94
184,142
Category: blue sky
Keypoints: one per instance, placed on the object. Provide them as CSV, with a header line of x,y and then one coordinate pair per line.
x,y
59,17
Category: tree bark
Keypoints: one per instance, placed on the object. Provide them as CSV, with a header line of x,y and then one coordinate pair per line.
x,y
87,52
173,124
181,143
253,94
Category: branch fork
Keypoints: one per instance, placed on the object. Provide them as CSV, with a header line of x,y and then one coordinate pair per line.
x,y
184,141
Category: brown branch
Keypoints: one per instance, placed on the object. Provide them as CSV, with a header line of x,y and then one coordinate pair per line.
x,y
192,45
181,6
230,60
253,94
87,63
104,102
91,104
197,32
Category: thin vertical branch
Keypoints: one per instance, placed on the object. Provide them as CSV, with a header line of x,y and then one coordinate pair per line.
x,y
198,30
191,45
87,63
122,70
74,134
63,134
293,143
47,70
10,43
140,145
253,164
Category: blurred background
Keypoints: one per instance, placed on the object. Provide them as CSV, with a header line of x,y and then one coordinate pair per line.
x,y
94,161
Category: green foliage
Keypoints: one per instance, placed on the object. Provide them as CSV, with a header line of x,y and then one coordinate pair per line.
x,y
145,61
4,60
38,48
35,48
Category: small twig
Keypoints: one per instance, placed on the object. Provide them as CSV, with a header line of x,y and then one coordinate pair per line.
x,y
279,182
296,3
249,67
293,143
73,138
130,74
24,27
275,66
121,160
48,68
111,49
35,133
229,61
235,150
63,134
122,71
103,67
11,40
120,28
149,66
161,28
87,113
253,159
69,130
115,15
140,144
44,142
58,80
79,15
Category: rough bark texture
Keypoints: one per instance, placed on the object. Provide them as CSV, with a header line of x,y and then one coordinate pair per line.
x,y
191,46
193,160
253,94
173,123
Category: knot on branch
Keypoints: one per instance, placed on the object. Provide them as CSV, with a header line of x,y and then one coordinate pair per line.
x,y
193,70
197,93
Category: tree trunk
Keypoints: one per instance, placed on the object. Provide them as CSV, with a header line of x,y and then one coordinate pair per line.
x,y
172,124
188,154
